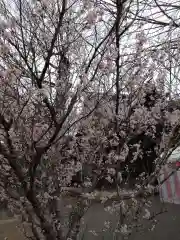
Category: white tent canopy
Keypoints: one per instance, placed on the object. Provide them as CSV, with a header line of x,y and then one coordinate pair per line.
x,y
175,156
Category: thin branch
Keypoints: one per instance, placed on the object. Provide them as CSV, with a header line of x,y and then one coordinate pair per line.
x,y
50,51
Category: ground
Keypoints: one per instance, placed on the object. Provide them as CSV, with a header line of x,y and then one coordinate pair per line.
x,y
167,223
167,227
8,229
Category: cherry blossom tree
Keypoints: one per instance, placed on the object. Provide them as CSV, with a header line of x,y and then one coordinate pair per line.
x,y
64,72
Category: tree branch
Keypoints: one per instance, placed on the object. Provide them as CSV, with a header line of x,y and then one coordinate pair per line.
x,y
50,51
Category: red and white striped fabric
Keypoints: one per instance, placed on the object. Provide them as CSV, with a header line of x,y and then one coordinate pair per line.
x,y
170,190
